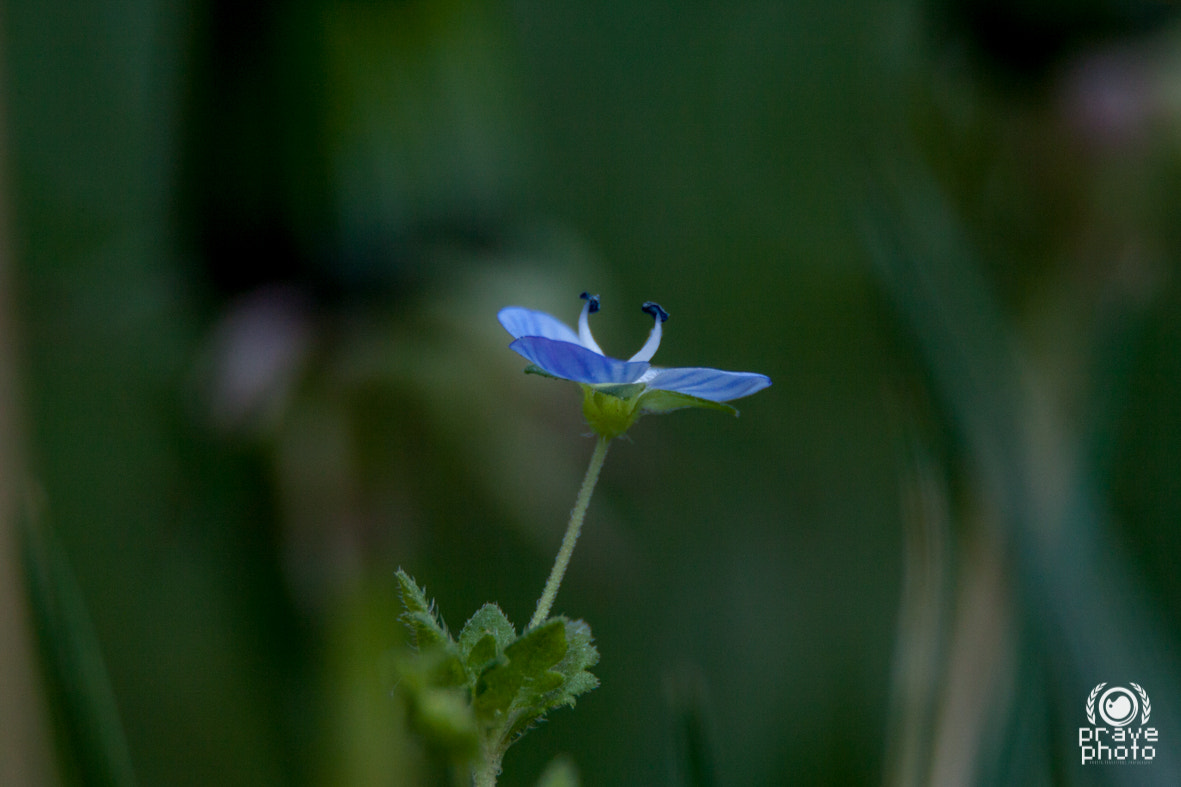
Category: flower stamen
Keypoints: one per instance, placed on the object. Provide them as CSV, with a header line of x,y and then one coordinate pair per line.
x,y
584,333
649,349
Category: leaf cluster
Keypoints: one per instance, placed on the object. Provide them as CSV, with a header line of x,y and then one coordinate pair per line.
x,y
475,694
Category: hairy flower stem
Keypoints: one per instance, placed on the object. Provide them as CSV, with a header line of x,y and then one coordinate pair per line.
x,y
572,530
486,771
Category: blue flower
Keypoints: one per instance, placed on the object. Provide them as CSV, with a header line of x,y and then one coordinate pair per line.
x,y
617,392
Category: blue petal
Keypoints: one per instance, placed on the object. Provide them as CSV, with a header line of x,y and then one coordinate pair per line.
x,y
712,384
527,322
572,361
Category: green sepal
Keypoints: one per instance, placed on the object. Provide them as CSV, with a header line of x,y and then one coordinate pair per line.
x,y
535,369
426,627
659,402
609,415
620,390
612,409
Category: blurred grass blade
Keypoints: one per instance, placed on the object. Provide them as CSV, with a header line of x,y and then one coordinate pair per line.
x,y
90,739
687,693
1092,619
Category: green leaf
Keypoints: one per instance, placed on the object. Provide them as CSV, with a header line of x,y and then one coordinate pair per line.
x,y
485,636
436,666
547,682
660,402
425,625
495,690
581,654
450,671
444,718
482,652
539,648
433,685
580,644
577,684
514,682
560,683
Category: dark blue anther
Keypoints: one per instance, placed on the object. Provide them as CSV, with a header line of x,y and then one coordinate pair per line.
x,y
653,309
593,300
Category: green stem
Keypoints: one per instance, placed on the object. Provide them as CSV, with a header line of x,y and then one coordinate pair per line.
x,y
572,530
485,772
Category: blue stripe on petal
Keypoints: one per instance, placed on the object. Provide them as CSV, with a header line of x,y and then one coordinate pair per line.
x,y
712,384
527,322
572,361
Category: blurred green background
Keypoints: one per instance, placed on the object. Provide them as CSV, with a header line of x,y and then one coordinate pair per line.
x,y
252,255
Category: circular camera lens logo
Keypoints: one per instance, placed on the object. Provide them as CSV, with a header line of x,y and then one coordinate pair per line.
x,y
1118,706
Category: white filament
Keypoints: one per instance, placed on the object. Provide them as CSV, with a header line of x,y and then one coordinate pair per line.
x,y
584,332
649,349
